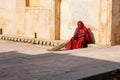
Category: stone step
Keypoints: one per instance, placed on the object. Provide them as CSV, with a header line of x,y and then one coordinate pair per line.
x,y
92,45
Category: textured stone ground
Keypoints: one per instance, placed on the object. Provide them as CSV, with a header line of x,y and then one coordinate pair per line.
x,y
20,61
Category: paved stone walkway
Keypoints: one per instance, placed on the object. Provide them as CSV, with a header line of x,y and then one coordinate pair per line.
x,y
20,61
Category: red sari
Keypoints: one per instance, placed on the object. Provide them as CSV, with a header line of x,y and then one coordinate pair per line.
x,y
80,39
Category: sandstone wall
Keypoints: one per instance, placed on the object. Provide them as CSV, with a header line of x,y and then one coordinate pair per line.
x,y
102,17
18,19
8,16
20,27
74,10
40,19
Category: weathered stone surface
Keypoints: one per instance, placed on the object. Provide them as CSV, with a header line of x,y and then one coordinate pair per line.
x,y
85,10
54,19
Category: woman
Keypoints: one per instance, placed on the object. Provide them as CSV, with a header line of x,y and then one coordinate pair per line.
x,y
80,39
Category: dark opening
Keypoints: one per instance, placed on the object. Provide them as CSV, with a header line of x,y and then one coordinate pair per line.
x,y
1,32
35,35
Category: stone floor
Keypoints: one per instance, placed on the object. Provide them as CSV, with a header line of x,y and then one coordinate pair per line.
x,y
22,61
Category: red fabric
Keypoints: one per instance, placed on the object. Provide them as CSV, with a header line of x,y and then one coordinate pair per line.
x,y
79,40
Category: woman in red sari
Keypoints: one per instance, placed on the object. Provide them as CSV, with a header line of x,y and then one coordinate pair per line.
x,y
81,37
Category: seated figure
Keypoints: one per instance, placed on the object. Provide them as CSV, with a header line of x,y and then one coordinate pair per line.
x,y
80,38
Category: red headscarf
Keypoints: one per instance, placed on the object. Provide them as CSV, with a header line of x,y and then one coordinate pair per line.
x,y
80,22
85,30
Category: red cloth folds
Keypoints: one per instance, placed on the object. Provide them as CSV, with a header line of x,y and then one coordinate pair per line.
x,y
81,37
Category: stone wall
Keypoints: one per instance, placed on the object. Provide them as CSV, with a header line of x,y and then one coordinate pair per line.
x,y
8,16
74,10
18,19
20,27
116,22
40,19
51,19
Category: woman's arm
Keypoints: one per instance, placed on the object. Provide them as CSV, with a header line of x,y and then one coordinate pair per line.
x,y
75,33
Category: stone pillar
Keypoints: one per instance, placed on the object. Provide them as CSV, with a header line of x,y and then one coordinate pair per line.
x,y
105,21
115,34
57,19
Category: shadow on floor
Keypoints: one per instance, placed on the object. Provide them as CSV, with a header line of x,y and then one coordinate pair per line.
x,y
19,66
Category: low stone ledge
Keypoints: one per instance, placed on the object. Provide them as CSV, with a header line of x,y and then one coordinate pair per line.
x,y
92,45
29,40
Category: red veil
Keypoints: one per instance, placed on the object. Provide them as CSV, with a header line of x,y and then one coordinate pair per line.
x,y
80,39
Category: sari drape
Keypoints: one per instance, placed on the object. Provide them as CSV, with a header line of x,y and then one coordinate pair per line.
x,y
80,39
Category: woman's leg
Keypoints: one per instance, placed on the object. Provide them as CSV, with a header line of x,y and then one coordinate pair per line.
x,y
72,44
